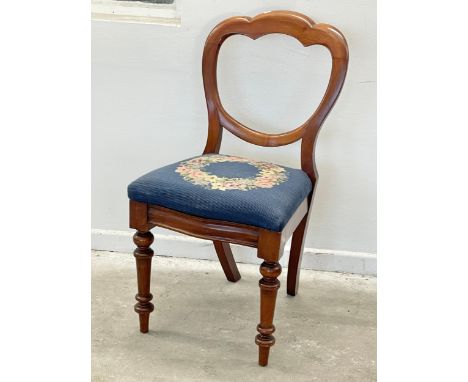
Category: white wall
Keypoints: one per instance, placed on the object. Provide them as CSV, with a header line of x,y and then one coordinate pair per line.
x,y
148,107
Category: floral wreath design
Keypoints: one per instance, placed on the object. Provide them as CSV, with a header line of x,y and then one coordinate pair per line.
x,y
192,171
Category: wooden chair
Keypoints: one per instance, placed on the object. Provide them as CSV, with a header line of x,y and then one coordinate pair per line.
x,y
187,198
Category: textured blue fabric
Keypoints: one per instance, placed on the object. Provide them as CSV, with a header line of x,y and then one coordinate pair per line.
x,y
266,196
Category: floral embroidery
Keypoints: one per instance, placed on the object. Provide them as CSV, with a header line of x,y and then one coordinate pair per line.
x,y
192,171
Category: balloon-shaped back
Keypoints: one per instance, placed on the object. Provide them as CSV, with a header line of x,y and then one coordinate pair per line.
x,y
308,33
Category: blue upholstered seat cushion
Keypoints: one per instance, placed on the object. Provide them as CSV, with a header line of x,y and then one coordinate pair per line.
x,y
226,188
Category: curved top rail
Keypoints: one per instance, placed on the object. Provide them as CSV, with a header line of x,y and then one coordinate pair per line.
x,y
308,33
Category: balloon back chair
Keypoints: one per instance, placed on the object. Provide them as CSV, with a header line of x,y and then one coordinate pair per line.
x,y
229,199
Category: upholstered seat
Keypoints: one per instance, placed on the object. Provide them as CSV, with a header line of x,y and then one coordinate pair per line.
x,y
226,188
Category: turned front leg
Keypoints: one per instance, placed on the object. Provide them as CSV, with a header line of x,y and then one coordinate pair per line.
x,y
269,285
143,255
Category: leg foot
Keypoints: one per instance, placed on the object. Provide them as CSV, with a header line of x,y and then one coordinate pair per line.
x,y
143,255
144,322
295,256
263,353
269,285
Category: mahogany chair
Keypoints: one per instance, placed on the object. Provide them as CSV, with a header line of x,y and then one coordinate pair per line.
x,y
229,199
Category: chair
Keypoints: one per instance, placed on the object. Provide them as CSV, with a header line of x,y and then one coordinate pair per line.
x,y
228,199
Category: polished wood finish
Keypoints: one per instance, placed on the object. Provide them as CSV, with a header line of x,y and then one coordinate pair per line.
x,y
269,285
226,258
269,244
209,229
143,255
295,256
139,216
307,33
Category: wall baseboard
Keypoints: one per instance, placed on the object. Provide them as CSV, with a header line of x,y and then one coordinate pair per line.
x,y
189,247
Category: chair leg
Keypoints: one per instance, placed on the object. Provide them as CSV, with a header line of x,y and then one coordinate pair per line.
x,y
227,261
295,256
143,255
269,285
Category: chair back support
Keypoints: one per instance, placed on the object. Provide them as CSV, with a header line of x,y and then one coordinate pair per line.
x,y
307,33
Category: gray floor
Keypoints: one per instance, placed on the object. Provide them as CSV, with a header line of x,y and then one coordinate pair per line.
x,y
203,327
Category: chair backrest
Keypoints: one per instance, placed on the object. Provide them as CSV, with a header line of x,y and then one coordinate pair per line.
x,y
308,33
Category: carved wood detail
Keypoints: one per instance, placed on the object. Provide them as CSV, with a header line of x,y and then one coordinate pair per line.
x,y
308,33
143,255
269,285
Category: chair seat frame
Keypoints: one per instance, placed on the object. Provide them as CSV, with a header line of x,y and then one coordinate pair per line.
x,y
269,244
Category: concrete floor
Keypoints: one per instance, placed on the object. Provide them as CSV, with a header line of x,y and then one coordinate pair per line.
x,y
203,327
